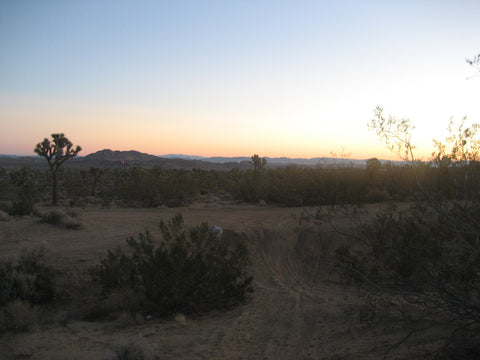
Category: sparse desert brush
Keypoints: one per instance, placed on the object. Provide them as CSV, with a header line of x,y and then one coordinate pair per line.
x,y
127,349
5,205
53,217
72,223
17,315
64,219
83,298
25,189
421,266
27,278
79,295
376,195
17,208
74,213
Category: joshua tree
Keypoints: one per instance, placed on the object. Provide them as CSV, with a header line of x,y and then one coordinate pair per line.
x,y
258,163
56,154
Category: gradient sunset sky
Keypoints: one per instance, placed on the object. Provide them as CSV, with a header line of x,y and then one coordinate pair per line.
x,y
234,78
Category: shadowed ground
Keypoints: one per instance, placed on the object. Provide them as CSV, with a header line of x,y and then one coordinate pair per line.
x,y
298,310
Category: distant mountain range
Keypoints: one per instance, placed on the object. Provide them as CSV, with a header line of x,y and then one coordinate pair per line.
x,y
279,161
114,158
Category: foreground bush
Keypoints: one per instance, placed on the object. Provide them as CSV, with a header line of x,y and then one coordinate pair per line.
x,y
188,271
423,267
420,268
18,315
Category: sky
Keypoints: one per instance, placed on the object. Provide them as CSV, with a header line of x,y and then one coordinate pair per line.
x,y
234,78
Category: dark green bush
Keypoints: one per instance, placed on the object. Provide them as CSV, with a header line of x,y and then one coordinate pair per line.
x,y
189,270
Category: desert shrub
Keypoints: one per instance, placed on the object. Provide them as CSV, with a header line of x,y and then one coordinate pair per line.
x,y
189,270
425,264
290,186
82,298
71,223
421,267
376,195
127,349
5,186
17,315
20,207
28,278
65,219
25,187
53,217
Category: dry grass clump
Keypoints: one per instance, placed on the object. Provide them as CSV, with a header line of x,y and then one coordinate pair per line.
x,y
16,208
83,298
68,219
27,278
24,282
18,315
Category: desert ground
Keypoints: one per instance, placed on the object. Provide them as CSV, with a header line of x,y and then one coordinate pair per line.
x,y
299,309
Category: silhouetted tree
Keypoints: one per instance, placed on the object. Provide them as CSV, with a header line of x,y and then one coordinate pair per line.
x,y
258,163
56,154
373,167
96,174
395,133
25,189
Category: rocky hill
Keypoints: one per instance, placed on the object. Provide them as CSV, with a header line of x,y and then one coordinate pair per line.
x,y
116,155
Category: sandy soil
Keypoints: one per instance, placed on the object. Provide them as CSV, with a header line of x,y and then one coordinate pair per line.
x,y
296,312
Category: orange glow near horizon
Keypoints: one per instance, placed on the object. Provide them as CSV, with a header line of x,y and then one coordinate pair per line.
x,y
118,131
163,131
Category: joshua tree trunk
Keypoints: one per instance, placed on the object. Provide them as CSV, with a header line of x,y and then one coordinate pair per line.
x,y
54,189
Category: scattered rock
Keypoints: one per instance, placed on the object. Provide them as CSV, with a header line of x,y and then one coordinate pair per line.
x,y
218,231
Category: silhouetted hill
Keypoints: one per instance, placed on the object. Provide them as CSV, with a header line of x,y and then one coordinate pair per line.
x,y
111,155
109,158
16,162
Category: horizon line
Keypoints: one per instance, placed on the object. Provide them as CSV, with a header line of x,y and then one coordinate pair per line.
x,y
200,157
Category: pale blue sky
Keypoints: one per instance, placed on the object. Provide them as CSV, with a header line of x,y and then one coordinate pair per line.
x,y
277,78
